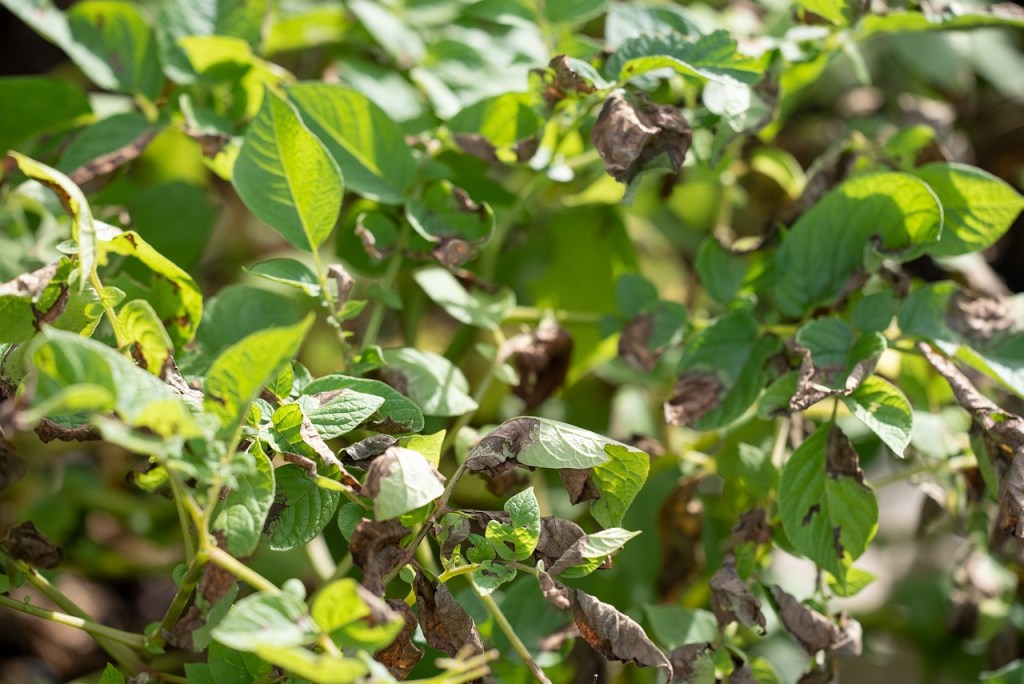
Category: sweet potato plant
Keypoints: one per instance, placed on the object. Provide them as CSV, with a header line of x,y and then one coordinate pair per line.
x,y
501,340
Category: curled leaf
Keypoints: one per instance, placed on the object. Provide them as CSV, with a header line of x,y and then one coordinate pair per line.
x,y
629,137
362,453
554,593
578,485
633,343
400,481
809,628
731,600
542,360
615,635
446,625
693,663
402,655
753,526
696,394
25,542
498,451
376,549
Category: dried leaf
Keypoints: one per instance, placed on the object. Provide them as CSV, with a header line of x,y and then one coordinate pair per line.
x,y
680,522
25,542
753,527
477,145
555,594
113,160
542,361
446,625
809,628
12,466
980,318
615,635
731,600
214,585
48,431
402,655
344,281
496,453
170,374
560,80
693,663
29,285
578,484
362,452
633,343
841,458
816,383
507,483
376,549
696,393
628,137
742,673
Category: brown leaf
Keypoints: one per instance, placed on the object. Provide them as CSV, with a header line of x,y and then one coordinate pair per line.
x,y
29,285
809,628
555,594
820,675
344,281
980,318
680,522
214,585
376,549
753,527
816,383
634,341
574,556
452,252
507,484
841,458
362,452
446,625
177,382
578,484
48,431
560,80
25,542
496,453
12,466
693,663
402,655
731,600
696,394
615,635
542,360
477,145
628,137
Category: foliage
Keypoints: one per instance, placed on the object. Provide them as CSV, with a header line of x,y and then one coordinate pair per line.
x,y
516,283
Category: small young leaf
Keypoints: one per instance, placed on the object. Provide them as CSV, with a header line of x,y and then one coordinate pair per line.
x,y
882,407
111,675
517,539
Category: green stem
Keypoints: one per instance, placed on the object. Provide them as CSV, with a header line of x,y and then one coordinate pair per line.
x,y
333,485
226,561
131,639
180,495
180,600
390,278
517,644
108,310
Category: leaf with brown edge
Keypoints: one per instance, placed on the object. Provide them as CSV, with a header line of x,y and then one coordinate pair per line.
x,y
809,628
496,453
376,549
25,542
731,600
402,655
680,523
362,453
12,466
446,625
836,360
542,360
693,664
615,635
753,526
695,394
578,485
629,137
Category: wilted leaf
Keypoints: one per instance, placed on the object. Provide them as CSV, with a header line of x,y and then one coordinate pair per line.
x,y
731,600
693,664
445,623
836,359
402,655
555,594
615,635
362,453
376,549
25,542
12,466
629,138
590,552
216,592
542,360
578,485
812,630
696,393
753,526
680,523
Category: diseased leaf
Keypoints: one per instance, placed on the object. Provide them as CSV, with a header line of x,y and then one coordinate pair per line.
x,y
438,387
446,216
590,552
301,509
731,600
680,524
142,330
399,481
836,359
809,628
630,138
288,272
12,466
396,415
541,359
615,635
619,480
445,623
694,663
402,655
243,514
376,549
31,300
25,542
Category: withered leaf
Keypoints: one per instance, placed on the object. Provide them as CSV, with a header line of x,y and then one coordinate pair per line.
x,y
29,285
559,80
753,527
376,549
542,360
980,318
496,453
453,252
402,655
25,542
851,640
343,280
214,585
629,137
446,625
363,451
615,635
48,430
841,458
12,466
696,393
477,145
170,374
816,383
578,484
742,673
809,628
555,594
680,522
507,484
693,663
574,556
731,600
111,161
633,343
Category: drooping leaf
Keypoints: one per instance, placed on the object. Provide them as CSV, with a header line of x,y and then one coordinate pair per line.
x,y
615,635
376,549
432,381
402,655
445,623
812,630
732,601
632,139
286,178
400,481
25,542
541,359
883,407
590,552
367,145
836,360
243,514
301,509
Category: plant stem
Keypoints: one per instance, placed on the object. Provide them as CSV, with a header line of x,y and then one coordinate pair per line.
x,y
335,486
180,495
531,314
108,310
180,600
513,638
94,628
779,443
390,277
226,561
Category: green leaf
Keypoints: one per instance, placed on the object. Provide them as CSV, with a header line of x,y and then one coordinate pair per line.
x,y
32,105
827,244
447,216
874,312
594,549
572,11
856,581
286,178
838,12
305,509
479,308
882,407
266,619
183,18
438,387
391,33
320,669
238,375
934,312
491,575
828,517
289,272
240,310
401,481
175,296
675,626
712,57
978,207
24,300
428,446
837,351
631,20
243,514
337,412
341,611
367,145
960,17
103,137
518,539
502,121
228,666
142,330
117,35
397,414
83,227
619,481
721,272
732,350
634,294
111,675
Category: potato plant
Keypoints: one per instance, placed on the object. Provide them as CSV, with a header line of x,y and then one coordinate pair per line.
x,y
569,340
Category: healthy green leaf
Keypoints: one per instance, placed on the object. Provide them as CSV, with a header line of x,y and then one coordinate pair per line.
x,y
572,11
478,308
428,446
32,105
721,272
241,310
305,509
713,57
266,619
367,145
882,407
515,541
827,244
286,178
240,372
674,626
837,12
289,272
117,35
111,675
828,517
438,387
183,18
341,611
337,412
243,514
631,20
978,208
397,414
957,17
619,480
